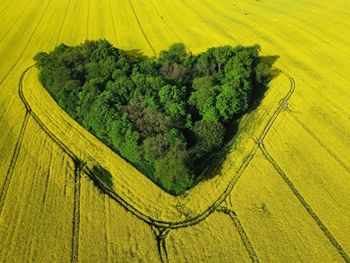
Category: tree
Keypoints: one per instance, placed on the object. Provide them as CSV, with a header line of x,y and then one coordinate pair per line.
x,y
209,136
222,54
172,99
154,147
205,64
175,54
227,102
173,173
125,138
203,82
69,95
263,74
164,115
204,100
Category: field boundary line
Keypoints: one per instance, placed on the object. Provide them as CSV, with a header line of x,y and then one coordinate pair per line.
x,y
303,202
149,220
319,141
141,28
247,244
77,168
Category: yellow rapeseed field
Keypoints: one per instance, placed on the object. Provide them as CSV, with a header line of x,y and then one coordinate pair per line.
x,y
281,195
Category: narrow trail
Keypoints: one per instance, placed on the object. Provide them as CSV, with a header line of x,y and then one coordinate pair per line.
x,y
78,167
113,22
141,28
167,25
76,216
88,19
26,45
303,202
161,235
149,220
319,141
63,21
248,245
18,18
14,158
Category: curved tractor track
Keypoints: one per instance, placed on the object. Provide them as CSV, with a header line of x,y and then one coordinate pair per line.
x,y
161,228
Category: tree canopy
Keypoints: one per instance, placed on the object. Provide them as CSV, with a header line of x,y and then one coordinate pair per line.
x,y
161,114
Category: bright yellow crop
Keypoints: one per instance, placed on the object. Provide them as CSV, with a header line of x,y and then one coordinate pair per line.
x,y
282,193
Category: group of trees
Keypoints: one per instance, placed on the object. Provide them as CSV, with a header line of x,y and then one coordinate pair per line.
x,y
161,114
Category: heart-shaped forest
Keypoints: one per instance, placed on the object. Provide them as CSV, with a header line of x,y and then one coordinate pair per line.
x,y
170,116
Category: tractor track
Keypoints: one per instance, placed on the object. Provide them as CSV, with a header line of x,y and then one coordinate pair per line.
x,y
88,20
166,24
161,235
76,215
248,245
136,212
18,18
64,20
319,141
14,158
141,28
6,6
26,45
163,226
303,202
77,169
113,22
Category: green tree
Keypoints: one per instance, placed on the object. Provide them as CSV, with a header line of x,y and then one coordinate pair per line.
x,y
227,102
209,135
204,99
173,173
175,54
165,114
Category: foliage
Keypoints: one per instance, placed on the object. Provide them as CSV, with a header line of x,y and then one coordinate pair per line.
x,y
161,114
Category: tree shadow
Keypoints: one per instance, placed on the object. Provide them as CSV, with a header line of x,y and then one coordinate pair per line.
x,y
103,176
271,60
136,54
259,93
215,161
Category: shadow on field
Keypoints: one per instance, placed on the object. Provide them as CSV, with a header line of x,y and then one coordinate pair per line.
x,y
103,175
259,94
217,158
136,54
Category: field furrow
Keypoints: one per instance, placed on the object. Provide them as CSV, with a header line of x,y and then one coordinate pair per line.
x,y
130,37
19,57
10,22
318,175
282,194
38,207
307,207
278,226
12,165
109,233
216,239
